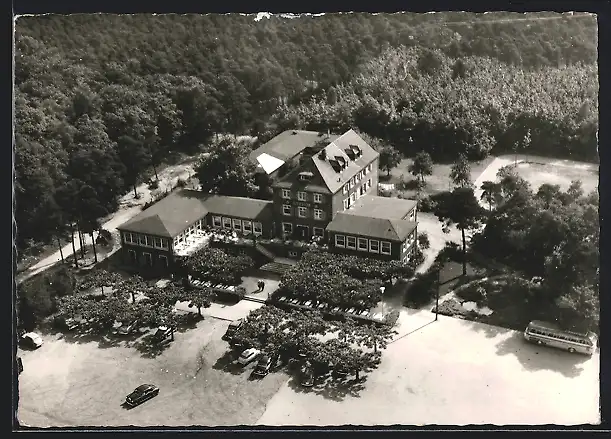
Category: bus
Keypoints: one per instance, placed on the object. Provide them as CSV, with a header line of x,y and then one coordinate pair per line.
x,y
549,334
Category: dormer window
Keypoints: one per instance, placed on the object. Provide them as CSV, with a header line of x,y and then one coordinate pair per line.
x,y
335,165
350,153
357,150
341,161
305,176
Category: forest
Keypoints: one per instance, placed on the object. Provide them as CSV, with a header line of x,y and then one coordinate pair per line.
x,y
100,99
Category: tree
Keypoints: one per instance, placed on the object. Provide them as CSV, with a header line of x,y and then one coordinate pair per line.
x,y
461,172
421,166
135,156
460,207
99,278
197,297
389,159
228,170
579,309
491,193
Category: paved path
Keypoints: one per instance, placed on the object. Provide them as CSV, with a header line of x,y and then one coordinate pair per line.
x,y
453,372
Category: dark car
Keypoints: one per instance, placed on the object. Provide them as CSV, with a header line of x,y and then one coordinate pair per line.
x,y
66,323
141,393
127,328
162,333
264,365
307,375
231,330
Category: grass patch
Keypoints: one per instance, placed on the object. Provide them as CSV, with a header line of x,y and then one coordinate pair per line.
x,y
538,173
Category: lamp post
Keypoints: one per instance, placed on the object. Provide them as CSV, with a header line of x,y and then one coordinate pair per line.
x,y
437,295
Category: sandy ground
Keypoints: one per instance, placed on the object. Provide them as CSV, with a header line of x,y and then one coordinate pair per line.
x,y
477,375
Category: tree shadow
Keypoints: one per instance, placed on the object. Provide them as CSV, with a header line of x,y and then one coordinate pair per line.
x,y
150,347
331,388
227,363
534,357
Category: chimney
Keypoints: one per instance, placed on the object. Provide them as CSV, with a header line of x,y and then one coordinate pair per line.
x,y
323,154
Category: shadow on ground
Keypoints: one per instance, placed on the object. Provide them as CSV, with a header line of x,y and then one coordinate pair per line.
x,y
331,388
228,364
534,357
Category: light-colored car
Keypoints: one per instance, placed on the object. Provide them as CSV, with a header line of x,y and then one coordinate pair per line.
x,y
248,356
32,340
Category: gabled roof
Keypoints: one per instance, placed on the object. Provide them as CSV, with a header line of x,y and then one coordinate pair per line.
x,y
285,146
250,208
382,207
385,229
169,216
172,214
336,149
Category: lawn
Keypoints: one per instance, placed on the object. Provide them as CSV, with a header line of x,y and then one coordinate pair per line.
x,y
437,182
561,173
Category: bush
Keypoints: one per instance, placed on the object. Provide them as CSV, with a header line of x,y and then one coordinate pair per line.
x,y
423,240
453,308
427,204
153,184
473,292
417,258
422,289
391,318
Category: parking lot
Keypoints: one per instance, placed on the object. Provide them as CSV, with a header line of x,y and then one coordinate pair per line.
x,y
450,372
71,383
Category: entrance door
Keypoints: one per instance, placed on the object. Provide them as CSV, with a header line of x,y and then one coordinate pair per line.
x,y
303,232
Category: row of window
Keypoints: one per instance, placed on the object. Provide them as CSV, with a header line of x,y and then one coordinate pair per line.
x,y
363,244
357,194
582,341
245,226
148,259
287,230
302,212
145,240
407,244
354,180
301,196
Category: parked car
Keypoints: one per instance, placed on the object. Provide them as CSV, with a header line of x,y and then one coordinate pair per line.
x,y
307,375
248,356
231,330
264,365
127,328
31,340
68,324
141,393
162,332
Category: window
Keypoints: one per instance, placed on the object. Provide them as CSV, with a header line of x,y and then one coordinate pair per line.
x,y
370,167
319,214
216,221
403,246
340,241
199,224
412,214
363,244
292,254
163,260
132,256
258,229
385,250
302,212
164,243
226,223
237,224
302,196
353,197
286,209
318,198
157,242
142,239
127,237
346,188
287,229
346,203
365,171
319,231
286,193
352,182
148,259
247,225
358,177
369,184
351,242
374,246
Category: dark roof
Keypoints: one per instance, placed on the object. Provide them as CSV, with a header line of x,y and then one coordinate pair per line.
x,y
388,229
169,216
382,207
336,151
290,143
240,207
172,214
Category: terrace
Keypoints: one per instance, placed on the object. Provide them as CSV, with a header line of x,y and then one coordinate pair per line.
x,y
194,241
